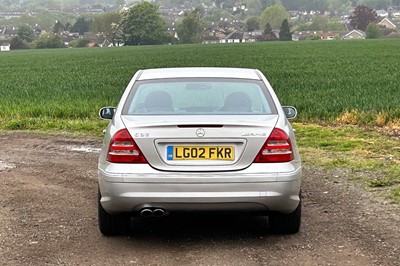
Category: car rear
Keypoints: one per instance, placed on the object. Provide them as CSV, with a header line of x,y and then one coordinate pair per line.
x,y
185,144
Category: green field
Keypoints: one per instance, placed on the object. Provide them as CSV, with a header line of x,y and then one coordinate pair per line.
x,y
346,81
331,83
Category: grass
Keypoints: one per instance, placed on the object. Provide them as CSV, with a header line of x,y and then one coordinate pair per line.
x,y
352,82
371,157
335,83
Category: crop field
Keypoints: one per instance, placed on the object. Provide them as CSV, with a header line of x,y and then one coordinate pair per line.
x,y
356,82
330,83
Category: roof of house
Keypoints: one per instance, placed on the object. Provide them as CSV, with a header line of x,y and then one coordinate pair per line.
x,y
388,21
92,44
325,35
235,35
393,35
382,13
248,36
359,32
211,38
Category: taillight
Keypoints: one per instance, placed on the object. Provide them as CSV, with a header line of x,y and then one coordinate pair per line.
x,y
277,148
123,149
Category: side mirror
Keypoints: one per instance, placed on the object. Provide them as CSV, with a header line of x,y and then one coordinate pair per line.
x,y
290,112
107,113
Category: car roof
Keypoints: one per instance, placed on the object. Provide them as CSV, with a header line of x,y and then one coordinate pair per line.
x,y
199,72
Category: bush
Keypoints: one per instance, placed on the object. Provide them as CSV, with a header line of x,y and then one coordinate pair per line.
x,y
386,31
83,42
49,41
314,37
373,31
17,43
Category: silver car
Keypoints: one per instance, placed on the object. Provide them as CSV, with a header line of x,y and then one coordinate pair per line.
x,y
199,139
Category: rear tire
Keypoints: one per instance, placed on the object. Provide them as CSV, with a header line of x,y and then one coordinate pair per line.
x,y
286,223
110,225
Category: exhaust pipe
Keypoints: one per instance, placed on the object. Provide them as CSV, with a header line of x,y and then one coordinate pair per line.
x,y
146,213
158,212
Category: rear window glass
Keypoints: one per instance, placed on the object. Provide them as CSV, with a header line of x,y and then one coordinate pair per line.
x,y
199,97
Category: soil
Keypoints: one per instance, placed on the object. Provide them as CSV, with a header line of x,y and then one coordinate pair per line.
x,y
48,216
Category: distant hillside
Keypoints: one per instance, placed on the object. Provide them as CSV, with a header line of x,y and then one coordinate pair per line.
x,y
51,4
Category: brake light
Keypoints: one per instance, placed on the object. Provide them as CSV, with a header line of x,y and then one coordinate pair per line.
x,y
123,149
277,148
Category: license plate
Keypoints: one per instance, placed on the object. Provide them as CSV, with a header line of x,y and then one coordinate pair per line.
x,y
200,153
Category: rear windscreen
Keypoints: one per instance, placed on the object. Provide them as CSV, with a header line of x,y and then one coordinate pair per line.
x,y
199,97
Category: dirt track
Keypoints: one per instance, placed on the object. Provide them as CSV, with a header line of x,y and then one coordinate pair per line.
x,y
48,216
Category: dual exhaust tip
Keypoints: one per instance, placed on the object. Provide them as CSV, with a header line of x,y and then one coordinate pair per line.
x,y
146,212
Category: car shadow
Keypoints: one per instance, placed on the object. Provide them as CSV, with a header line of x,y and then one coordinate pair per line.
x,y
221,226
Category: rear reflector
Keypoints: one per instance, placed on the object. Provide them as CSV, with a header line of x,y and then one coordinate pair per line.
x,y
123,149
277,148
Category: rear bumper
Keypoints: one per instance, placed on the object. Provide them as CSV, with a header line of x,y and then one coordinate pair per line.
x,y
242,192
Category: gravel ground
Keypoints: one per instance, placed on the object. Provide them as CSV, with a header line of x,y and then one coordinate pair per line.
x,y
48,216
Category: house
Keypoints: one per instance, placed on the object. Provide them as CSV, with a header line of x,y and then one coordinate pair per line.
x,y
10,31
5,47
386,23
96,10
306,35
294,13
249,37
210,39
11,14
213,36
239,37
172,30
234,37
393,35
229,26
396,14
354,35
382,13
256,33
92,44
329,36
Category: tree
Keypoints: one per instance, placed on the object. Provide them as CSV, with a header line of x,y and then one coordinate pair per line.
x,y
58,27
340,5
267,3
143,24
274,15
253,7
49,41
120,2
102,23
316,5
252,23
268,34
373,31
191,27
216,14
81,42
81,25
26,33
284,33
17,43
68,26
362,16
320,23
314,37
334,25
376,4
115,35
290,4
